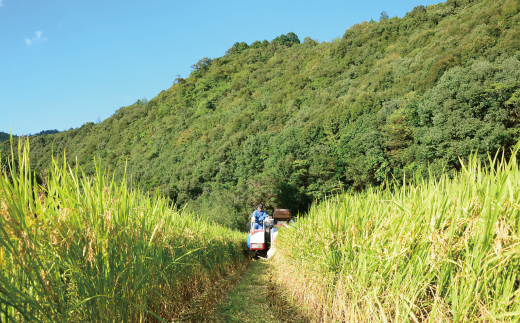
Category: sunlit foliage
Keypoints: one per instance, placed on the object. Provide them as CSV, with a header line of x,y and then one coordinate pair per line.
x,y
288,122
443,249
81,248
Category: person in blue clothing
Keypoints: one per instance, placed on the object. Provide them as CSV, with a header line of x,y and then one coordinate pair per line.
x,y
257,222
259,215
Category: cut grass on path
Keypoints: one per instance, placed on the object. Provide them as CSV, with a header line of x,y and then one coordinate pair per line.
x,y
251,300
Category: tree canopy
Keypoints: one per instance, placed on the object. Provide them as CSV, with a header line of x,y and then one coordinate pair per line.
x,y
288,123
4,136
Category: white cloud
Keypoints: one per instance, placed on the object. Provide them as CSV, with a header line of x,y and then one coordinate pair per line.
x,y
1,4
36,39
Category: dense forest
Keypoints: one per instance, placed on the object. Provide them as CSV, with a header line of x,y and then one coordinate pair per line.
x,y
289,121
45,132
5,136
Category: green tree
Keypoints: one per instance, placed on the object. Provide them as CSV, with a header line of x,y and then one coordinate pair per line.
x,y
287,40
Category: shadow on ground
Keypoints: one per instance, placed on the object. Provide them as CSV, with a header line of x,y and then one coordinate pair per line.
x,y
251,298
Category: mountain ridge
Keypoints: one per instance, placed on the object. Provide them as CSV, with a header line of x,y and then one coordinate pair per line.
x,y
287,123
4,136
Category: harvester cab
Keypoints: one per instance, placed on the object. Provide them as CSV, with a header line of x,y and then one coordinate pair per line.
x,y
262,241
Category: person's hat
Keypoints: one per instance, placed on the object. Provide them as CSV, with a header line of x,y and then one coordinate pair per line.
x,y
261,205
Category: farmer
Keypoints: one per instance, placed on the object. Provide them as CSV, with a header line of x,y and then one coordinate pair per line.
x,y
259,215
257,222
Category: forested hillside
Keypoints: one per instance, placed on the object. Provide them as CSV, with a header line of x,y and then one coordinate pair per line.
x,y
4,136
287,122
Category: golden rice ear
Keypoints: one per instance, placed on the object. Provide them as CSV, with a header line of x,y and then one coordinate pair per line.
x,y
90,236
405,254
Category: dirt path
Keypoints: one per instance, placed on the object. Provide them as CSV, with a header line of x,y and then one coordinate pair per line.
x,y
247,300
252,298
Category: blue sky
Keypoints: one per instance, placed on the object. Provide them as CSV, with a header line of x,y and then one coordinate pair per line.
x,y
67,62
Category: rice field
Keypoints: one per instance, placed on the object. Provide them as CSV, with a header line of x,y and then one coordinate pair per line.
x,y
440,250
87,249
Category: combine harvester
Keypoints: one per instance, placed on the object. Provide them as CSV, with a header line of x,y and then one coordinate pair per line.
x,y
261,241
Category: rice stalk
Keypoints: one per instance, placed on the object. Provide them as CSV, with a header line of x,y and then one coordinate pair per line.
x,y
440,250
87,249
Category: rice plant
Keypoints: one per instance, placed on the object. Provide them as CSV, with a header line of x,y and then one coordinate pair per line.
x,y
86,249
441,250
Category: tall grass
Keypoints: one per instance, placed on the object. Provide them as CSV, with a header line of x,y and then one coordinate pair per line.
x,y
437,251
87,249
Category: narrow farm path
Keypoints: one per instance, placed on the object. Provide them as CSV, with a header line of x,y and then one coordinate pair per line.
x,y
249,297
247,300
252,299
